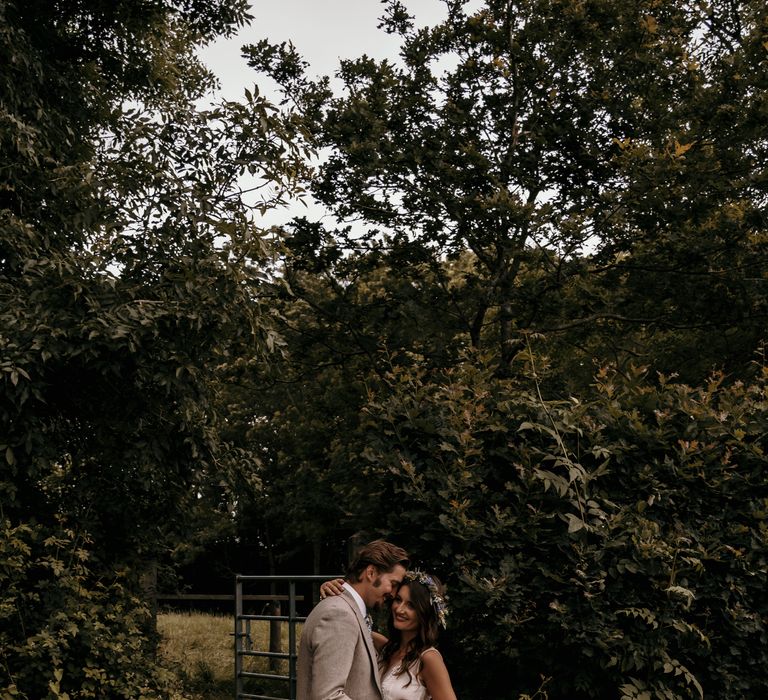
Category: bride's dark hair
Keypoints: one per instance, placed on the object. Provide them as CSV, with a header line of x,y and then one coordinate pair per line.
x,y
427,634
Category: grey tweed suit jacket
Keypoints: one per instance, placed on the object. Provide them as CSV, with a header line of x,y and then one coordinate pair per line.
x,y
337,659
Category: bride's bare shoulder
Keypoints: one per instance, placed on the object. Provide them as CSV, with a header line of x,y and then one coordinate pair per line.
x,y
431,652
435,675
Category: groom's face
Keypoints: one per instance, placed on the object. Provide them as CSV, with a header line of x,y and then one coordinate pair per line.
x,y
382,586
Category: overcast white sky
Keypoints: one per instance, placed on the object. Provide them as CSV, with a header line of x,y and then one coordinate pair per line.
x,y
322,30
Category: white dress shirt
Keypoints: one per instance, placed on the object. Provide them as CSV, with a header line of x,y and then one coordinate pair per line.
x,y
360,602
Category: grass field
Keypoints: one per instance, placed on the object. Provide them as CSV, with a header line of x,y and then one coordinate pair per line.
x,y
199,648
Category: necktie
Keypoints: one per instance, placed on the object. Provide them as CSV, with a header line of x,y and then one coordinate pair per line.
x,y
368,622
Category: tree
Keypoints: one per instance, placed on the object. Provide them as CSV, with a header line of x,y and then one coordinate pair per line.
x,y
607,153
129,267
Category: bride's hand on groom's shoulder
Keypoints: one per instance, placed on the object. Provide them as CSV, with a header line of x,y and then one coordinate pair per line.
x,y
333,587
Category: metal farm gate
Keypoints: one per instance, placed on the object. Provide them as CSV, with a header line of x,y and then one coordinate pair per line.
x,y
246,646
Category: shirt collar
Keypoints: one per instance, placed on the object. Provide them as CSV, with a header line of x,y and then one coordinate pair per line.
x,y
360,602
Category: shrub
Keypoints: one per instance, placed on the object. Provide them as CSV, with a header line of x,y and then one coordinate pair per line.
x,y
64,633
613,543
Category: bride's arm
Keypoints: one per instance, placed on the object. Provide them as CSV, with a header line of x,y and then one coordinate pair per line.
x,y
379,640
435,676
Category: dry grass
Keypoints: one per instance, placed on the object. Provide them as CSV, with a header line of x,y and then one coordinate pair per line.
x,y
199,648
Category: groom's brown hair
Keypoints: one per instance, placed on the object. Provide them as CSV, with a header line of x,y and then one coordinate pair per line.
x,y
385,556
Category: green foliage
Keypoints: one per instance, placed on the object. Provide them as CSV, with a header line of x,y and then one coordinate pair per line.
x,y
589,170
129,264
66,633
591,174
604,163
333,327
615,544
594,173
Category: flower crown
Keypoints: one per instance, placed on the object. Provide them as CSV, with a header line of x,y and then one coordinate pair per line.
x,y
435,597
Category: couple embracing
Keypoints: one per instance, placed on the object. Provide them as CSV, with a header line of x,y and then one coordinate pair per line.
x,y
340,658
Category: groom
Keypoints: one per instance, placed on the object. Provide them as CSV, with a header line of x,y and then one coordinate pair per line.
x,y
337,660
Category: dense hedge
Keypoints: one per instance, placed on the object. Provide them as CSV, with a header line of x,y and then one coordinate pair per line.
x,y
613,545
64,633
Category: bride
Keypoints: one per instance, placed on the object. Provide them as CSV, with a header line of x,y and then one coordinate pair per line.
x,y
410,665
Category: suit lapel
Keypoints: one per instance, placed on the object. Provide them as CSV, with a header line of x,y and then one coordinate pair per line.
x,y
366,636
